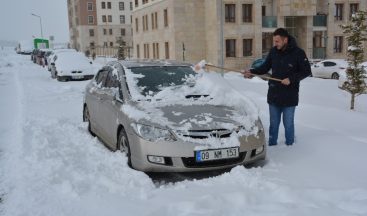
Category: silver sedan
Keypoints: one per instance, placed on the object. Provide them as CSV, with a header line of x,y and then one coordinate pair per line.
x,y
154,112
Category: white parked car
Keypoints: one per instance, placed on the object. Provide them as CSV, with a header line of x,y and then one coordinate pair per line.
x,y
72,66
329,68
50,58
343,77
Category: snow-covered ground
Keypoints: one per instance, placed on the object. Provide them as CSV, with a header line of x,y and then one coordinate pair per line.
x,y
50,165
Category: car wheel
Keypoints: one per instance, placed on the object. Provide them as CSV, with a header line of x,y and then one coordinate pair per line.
x,y
335,76
124,146
86,118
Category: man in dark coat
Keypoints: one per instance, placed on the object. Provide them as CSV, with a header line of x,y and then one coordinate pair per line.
x,y
289,64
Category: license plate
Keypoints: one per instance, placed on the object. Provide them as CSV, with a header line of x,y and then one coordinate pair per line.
x,y
78,77
216,154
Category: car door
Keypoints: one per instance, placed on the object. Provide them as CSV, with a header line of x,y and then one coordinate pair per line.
x,y
110,105
95,99
329,68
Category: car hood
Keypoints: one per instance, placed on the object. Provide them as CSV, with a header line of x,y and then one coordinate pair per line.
x,y
200,117
190,117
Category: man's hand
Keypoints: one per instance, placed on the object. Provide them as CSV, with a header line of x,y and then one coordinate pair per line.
x,y
286,81
247,74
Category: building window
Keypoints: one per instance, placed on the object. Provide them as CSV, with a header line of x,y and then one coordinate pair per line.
x,y
104,31
155,50
136,24
91,32
131,6
247,47
338,44
146,22
122,19
247,13
108,5
136,3
338,12
146,51
230,13
165,17
90,6
91,45
353,9
109,18
231,48
123,32
137,51
103,5
105,44
166,48
90,19
154,20
104,19
111,32
111,44
145,1
121,6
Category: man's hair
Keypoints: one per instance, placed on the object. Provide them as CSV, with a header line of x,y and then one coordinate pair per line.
x,y
281,32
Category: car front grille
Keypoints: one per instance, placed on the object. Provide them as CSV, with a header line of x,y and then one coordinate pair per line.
x,y
76,72
204,134
190,162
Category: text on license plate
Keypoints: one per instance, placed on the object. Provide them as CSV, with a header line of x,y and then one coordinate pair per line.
x,y
216,154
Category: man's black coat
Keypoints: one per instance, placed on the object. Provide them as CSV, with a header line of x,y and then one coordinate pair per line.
x,y
289,63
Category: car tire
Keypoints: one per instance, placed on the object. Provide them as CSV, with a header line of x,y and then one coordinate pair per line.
x,y
86,118
335,76
124,146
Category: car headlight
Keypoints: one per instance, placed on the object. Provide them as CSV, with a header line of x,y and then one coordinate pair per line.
x,y
153,133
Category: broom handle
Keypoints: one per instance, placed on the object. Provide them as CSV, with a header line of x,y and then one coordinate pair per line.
x,y
229,69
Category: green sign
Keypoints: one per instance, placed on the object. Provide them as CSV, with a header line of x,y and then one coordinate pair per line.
x,y
40,43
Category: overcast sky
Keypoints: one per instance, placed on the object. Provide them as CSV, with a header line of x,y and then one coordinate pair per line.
x,y
17,23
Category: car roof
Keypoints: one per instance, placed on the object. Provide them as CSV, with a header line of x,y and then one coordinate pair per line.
x,y
151,63
335,60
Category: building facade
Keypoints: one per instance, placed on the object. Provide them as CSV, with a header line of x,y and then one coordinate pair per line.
x,y
98,26
233,33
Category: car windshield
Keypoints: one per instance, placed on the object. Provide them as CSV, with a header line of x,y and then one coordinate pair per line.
x,y
153,79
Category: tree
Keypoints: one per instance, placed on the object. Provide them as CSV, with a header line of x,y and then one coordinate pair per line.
x,y
356,32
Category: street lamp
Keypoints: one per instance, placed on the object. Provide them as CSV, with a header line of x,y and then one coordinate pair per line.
x,y
40,23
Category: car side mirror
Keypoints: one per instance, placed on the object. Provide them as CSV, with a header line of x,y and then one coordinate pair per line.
x,y
53,64
91,62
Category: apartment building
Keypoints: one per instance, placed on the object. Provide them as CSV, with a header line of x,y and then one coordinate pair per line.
x,y
233,33
97,26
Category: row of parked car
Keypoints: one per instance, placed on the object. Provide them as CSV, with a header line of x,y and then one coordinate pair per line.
x,y
64,64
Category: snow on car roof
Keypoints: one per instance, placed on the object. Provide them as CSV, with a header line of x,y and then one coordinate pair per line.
x,y
146,62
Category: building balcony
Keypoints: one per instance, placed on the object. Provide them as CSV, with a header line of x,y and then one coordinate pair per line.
x,y
320,21
319,53
269,21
